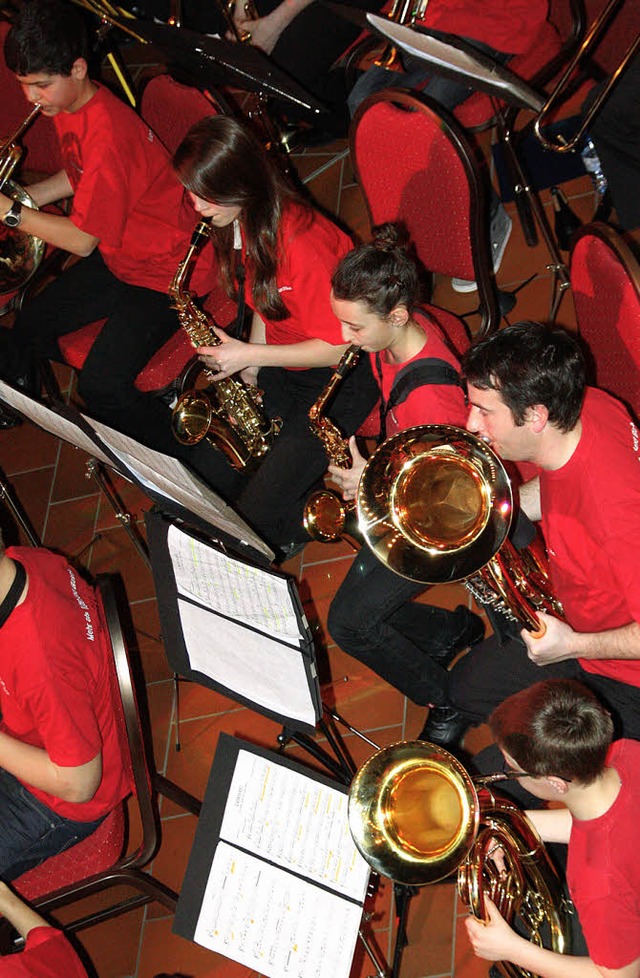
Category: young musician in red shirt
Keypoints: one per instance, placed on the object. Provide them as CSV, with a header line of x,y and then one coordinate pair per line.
x,y
375,291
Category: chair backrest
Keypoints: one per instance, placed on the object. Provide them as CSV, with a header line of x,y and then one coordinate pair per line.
x,y
40,142
605,279
415,166
171,108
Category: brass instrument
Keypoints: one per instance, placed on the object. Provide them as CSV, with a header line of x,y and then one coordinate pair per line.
x,y
326,515
227,8
592,37
416,816
405,12
228,412
435,504
20,253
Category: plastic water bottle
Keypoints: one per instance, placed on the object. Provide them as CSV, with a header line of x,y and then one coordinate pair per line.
x,y
566,221
593,166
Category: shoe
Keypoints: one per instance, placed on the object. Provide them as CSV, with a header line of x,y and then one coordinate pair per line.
x,y
470,631
289,550
501,226
444,727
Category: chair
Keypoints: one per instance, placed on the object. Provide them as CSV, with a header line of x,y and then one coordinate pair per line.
x,y
170,109
605,279
415,165
98,862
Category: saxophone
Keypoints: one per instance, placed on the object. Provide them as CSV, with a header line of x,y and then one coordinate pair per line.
x,y
326,516
228,412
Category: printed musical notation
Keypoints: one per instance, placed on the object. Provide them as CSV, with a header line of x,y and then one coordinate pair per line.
x,y
285,891
233,588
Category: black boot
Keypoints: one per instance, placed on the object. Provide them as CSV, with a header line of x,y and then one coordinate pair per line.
x,y
444,727
469,631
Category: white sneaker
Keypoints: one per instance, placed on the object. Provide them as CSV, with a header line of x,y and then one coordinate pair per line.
x,y
500,234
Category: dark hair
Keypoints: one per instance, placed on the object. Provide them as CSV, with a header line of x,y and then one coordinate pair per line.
x,y
556,727
530,363
47,36
220,160
381,274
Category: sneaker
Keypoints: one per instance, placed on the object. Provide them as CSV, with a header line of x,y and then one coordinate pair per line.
x,y
501,226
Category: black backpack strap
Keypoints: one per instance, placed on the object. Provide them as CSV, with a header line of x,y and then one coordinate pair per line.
x,y
420,373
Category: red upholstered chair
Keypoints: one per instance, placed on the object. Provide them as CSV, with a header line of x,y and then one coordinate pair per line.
x,y
605,279
101,861
415,165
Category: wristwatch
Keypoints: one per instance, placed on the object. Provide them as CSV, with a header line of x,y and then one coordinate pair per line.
x,y
13,216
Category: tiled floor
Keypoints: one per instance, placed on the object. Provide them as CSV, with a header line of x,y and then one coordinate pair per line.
x,y
69,514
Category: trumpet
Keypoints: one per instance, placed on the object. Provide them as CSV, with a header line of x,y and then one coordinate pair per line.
x,y
21,253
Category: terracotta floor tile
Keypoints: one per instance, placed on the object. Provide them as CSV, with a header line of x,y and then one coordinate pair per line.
x,y
114,945
114,548
132,502
71,480
26,448
31,493
71,526
149,640
163,951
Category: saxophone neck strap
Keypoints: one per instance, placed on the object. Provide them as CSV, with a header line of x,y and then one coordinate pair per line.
x,y
235,329
418,373
13,594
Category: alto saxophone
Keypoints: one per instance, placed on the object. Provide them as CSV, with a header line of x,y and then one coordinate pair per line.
x,y
228,412
326,515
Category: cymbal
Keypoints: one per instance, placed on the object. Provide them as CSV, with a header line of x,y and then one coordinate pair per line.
x,y
226,62
459,60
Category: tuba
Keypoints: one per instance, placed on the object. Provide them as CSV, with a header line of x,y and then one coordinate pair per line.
x,y
435,504
228,412
20,253
326,516
416,816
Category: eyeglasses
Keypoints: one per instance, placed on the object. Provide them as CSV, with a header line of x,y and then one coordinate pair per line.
x,y
510,774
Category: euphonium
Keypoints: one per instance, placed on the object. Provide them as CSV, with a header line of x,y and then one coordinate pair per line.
x,y
228,412
416,816
20,253
326,515
435,504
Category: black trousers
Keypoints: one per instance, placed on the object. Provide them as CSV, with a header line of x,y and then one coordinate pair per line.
x,y
272,495
138,322
373,618
490,672
615,131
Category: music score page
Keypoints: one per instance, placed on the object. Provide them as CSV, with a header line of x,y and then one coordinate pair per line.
x,y
285,891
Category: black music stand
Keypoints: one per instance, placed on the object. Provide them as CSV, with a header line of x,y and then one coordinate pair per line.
x,y
454,58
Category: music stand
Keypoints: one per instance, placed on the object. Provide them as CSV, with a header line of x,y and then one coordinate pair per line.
x,y
456,59
274,879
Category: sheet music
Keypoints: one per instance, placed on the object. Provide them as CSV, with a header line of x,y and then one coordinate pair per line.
x,y
274,922
171,479
259,668
232,588
295,821
53,422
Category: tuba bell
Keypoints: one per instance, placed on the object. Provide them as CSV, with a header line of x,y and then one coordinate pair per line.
x,y
416,816
20,253
435,505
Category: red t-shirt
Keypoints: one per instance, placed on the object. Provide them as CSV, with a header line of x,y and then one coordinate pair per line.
x,y
431,403
603,868
127,195
591,526
310,248
510,26
47,954
54,680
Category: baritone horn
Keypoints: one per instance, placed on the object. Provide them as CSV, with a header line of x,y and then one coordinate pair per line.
x,y
416,816
435,505
20,253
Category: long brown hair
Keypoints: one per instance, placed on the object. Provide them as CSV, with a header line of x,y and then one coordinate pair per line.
x,y
220,160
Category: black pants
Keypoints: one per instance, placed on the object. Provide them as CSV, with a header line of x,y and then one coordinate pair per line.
x,y
615,131
490,672
138,322
272,496
374,619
